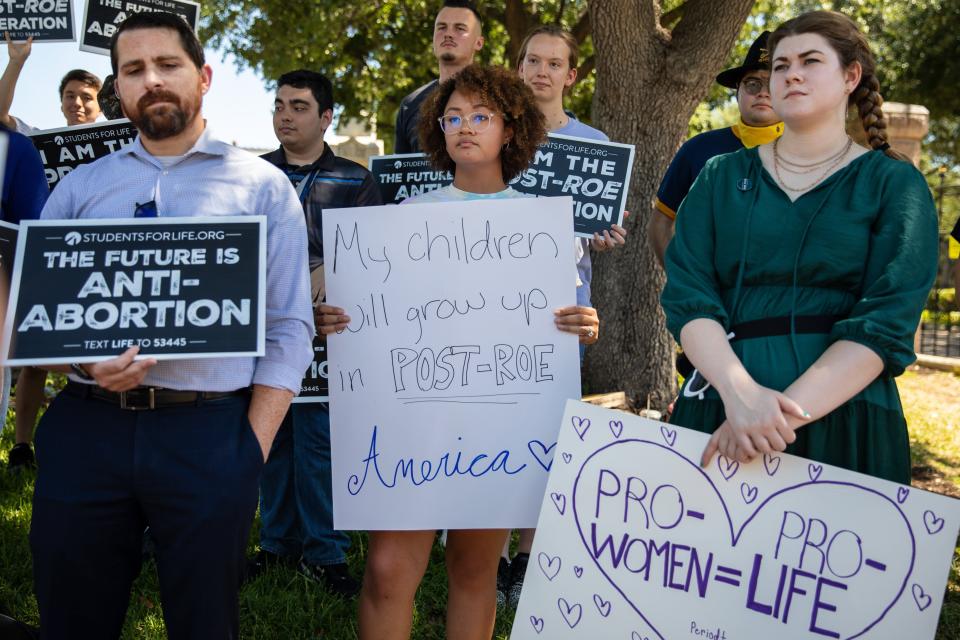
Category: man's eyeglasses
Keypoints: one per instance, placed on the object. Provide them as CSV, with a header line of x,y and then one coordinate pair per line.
x,y
753,86
476,121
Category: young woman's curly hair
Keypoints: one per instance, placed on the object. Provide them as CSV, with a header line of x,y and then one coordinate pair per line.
x,y
504,92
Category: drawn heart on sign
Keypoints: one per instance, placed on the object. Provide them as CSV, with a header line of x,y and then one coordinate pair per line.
x,y
771,463
814,471
550,565
603,606
619,542
616,428
932,522
636,636
559,501
922,599
567,457
669,435
580,425
902,493
748,492
542,453
578,571
571,612
727,467
537,623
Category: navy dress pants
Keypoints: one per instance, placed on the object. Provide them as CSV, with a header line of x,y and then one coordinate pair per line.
x,y
189,472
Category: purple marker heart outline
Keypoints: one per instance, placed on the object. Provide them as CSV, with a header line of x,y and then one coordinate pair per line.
x,y
547,563
567,611
932,522
748,492
814,471
635,635
537,623
735,535
771,463
541,453
902,493
616,428
669,435
580,425
567,457
922,599
603,606
559,501
578,571
728,468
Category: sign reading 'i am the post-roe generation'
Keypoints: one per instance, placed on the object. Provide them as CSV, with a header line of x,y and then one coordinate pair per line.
x,y
63,150
596,174
86,290
42,20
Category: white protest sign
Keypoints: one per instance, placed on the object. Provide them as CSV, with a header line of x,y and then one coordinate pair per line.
x,y
635,541
448,385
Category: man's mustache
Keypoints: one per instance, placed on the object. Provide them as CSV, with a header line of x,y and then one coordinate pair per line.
x,y
154,97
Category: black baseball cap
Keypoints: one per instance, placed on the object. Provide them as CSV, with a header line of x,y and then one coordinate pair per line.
x,y
757,58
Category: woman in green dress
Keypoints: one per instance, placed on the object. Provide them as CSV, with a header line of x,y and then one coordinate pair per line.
x,y
799,270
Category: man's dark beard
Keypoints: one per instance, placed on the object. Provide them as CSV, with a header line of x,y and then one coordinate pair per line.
x,y
164,123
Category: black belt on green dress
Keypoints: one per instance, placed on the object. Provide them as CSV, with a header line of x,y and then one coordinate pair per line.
x,y
765,327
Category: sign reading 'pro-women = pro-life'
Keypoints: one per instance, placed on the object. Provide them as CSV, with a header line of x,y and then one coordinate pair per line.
x,y
87,290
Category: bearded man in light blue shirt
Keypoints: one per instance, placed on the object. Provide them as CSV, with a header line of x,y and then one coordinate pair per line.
x,y
187,462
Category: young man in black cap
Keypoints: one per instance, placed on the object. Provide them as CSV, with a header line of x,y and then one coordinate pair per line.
x,y
759,124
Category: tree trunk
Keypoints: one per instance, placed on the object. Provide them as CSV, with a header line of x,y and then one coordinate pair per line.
x,y
649,81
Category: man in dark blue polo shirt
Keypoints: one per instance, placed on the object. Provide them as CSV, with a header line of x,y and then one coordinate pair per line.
x,y
758,124
296,504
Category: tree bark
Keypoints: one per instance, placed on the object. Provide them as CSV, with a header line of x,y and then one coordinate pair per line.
x,y
649,81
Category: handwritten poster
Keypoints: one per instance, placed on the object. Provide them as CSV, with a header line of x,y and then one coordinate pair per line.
x,y
635,541
448,385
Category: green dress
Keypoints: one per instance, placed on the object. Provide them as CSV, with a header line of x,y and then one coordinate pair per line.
x,y
861,245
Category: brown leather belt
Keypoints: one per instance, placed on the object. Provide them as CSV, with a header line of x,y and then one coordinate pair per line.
x,y
146,398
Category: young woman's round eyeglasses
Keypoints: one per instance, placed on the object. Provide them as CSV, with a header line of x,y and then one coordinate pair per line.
x,y
477,122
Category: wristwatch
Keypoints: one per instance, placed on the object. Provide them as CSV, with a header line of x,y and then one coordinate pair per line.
x,y
80,372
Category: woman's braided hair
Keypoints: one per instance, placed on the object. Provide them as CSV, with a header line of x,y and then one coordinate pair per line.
x,y
851,46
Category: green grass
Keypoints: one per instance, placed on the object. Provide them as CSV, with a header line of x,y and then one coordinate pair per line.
x,y
282,604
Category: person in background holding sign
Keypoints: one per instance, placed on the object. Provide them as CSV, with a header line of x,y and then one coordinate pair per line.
x,y
78,102
24,194
457,37
177,445
788,282
78,91
759,124
547,63
296,501
482,125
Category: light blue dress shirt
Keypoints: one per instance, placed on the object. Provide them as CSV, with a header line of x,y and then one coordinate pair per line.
x,y
213,178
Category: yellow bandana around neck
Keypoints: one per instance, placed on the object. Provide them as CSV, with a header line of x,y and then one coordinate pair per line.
x,y
755,136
